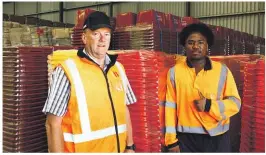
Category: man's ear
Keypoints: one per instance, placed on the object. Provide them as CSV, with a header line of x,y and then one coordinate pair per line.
x,y
84,38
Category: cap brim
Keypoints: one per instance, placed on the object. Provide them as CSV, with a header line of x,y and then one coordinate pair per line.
x,y
95,27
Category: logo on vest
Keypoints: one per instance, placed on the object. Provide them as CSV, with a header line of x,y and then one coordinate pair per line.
x,y
117,85
116,74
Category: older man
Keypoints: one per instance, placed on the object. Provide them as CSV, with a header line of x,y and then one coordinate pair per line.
x,y
86,107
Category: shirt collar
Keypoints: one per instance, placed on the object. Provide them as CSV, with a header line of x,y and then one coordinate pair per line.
x,y
107,60
110,60
208,64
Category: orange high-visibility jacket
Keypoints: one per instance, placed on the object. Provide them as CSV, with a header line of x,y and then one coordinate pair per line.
x,y
184,86
88,125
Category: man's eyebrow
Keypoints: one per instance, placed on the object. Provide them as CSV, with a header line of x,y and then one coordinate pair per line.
x,y
195,40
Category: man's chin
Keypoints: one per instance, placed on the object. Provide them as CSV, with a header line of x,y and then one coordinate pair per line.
x,y
197,58
102,51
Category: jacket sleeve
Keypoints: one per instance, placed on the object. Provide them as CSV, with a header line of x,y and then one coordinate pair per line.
x,y
171,110
229,105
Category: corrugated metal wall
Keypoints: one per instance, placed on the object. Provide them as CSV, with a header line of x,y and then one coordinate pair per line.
x,y
104,8
8,8
25,8
47,6
52,17
253,24
70,16
125,7
77,4
176,8
203,9
261,25
242,16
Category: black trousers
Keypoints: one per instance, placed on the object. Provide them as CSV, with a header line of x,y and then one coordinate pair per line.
x,y
203,143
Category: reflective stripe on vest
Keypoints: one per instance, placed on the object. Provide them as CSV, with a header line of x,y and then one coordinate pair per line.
x,y
222,80
87,134
172,76
221,85
125,81
199,130
79,138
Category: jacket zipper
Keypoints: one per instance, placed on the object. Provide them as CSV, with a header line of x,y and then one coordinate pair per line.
x,y
113,110
111,100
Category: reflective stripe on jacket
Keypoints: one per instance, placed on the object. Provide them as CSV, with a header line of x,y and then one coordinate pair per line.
x,y
88,125
184,86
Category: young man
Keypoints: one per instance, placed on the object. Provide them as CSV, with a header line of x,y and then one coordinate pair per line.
x,y
86,106
201,97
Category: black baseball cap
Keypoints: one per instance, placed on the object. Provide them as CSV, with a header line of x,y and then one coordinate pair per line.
x,y
97,20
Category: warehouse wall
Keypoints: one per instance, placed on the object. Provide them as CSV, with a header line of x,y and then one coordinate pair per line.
x,y
70,15
27,8
21,8
48,6
8,8
69,5
125,7
243,16
176,8
52,17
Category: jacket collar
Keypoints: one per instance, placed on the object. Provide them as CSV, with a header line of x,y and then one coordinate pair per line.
x,y
208,64
113,58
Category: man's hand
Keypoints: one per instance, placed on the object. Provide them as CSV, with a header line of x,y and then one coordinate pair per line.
x,y
200,104
174,149
129,151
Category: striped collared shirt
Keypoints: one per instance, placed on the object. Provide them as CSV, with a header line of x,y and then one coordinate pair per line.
x,y
59,91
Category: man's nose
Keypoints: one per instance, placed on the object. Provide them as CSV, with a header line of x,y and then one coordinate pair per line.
x,y
102,37
195,45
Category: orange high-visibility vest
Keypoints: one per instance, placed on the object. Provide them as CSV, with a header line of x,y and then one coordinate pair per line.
x,y
88,125
184,86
